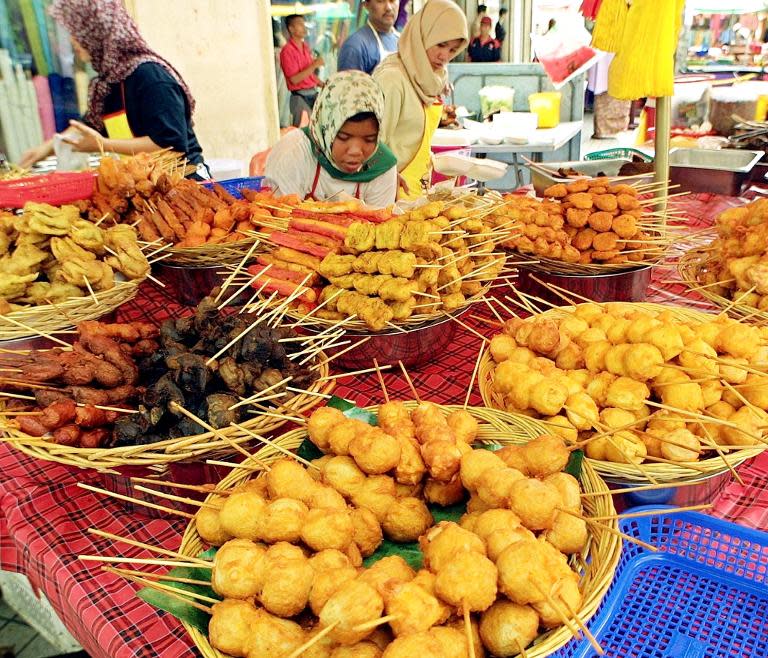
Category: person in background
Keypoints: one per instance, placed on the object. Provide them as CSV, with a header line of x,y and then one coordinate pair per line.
x,y
501,31
299,68
138,102
402,14
485,48
413,80
374,42
341,151
482,12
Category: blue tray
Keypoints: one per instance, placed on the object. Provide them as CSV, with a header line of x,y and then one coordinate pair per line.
x,y
703,595
234,185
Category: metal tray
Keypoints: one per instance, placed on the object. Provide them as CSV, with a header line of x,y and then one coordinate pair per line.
x,y
721,171
625,286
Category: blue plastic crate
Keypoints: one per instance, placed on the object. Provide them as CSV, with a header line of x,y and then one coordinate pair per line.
x,y
234,185
703,595
619,152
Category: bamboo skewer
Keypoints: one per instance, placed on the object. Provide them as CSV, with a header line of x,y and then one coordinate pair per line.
x,y
634,515
173,497
202,488
158,576
148,547
138,577
381,380
374,623
278,447
410,382
642,487
314,640
137,560
172,592
135,501
480,353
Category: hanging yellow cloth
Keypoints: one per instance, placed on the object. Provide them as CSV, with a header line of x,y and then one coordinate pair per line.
x,y
609,28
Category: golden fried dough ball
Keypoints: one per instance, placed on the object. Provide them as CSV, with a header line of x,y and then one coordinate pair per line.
x,y
377,493
520,393
475,463
329,559
535,502
600,221
238,569
748,428
641,325
501,347
614,418
463,424
548,397
557,191
524,572
594,355
514,457
614,358
625,226
367,533
680,446
240,514
230,626
508,374
272,636
606,243
326,497
598,387
626,393
568,488
731,371
468,579
411,468
546,454
287,584
544,336
341,435
562,427
386,573
699,358
495,485
421,645
571,357
364,649
573,325
287,478
577,217
568,533
427,413
565,594
414,607
685,395
327,528
406,519
507,627
494,519
282,520
354,604
627,200
580,200
375,451
442,458
667,340
739,340
591,335
606,202
395,419
444,493
458,624
578,185
320,424
581,411
624,448
755,390
643,361
498,541
583,239
327,582
344,475
711,392
322,648
208,523
446,539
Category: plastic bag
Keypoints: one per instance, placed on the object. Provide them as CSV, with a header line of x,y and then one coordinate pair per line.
x,y
496,99
564,52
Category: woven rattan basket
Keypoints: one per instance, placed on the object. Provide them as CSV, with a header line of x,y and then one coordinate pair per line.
x,y
227,253
50,318
172,450
617,472
596,564
692,266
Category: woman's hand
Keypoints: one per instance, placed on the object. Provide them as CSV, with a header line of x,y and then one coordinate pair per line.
x,y
84,138
33,155
401,183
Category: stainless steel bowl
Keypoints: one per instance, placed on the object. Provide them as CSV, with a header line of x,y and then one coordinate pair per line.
x,y
626,286
708,488
188,285
413,346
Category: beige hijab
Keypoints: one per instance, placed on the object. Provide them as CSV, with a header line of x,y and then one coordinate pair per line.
x,y
437,22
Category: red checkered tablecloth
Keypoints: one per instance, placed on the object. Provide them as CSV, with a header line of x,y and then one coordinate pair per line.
x,y
44,516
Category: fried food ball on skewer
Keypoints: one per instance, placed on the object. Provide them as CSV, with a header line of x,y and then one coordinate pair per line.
x,y
395,419
375,451
581,411
568,533
442,457
208,523
352,605
525,572
289,580
502,347
626,393
643,361
535,502
364,649
325,497
421,645
282,520
272,636
386,573
376,493
340,436
548,397
414,608
240,513
568,488
444,540
685,395
507,627
514,457
749,423
738,340
464,425
327,528
427,419
230,626
467,579
327,582
239,569
320,424
564,594
444,494
681,446
545,455
452,641
624,448
366,530
406,519
495,485
287,478
344,475
731,372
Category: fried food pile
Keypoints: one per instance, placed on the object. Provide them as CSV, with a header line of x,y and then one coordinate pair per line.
x,y
50,254
737,267
138,367
585,221
653,387
165,205
431,259
292,542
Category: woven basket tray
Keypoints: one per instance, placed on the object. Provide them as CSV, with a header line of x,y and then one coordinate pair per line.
x,y
596,563
692,265
172,450
227,253
51,318
628,473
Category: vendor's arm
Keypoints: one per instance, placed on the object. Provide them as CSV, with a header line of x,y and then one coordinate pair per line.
x,y
40,152
382,191
88,140
290,166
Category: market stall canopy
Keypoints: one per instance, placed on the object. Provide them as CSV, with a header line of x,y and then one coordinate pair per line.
x,y
726,6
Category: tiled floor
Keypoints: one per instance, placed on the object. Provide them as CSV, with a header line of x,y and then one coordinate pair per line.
x,y
18,640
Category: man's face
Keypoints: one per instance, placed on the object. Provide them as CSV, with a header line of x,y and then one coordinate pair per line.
x,y
298,28
382,13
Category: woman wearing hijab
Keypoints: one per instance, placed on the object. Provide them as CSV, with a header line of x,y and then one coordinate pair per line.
x,y
138,102
340,152
412,81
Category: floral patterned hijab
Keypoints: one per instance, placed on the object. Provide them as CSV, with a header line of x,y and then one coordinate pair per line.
x,y
346,94
116,48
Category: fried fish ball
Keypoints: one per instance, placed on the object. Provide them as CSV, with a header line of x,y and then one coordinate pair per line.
x,y
444,493
464,425
272,636
514,457
230,626
625,226
377,493
598,387
446,539
344,475
414,608
410,469
474,464
520,389
386,573
614,358
605,242
748,422
506,628
546,454
288,582
591,335
667,340
239,569
417,645
562,427
500,539
327,528
208,523
468,579
580,200
494,519
328,559
524,572
320,424
643,361
577,217
566,595
731,371
367,532
287,478
240,514
568,488
700,359
535,502
501,347
681,446
364,649
600,221
626,393
375,451
594,355
327,582
711,392
281,520
614,418
406,519
342,434
581,411
606,202
685,395
755,390
442,458
395,419
583,239
571,357
739,340
625,448
495,485
325,497
354,604
568,533
548,397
